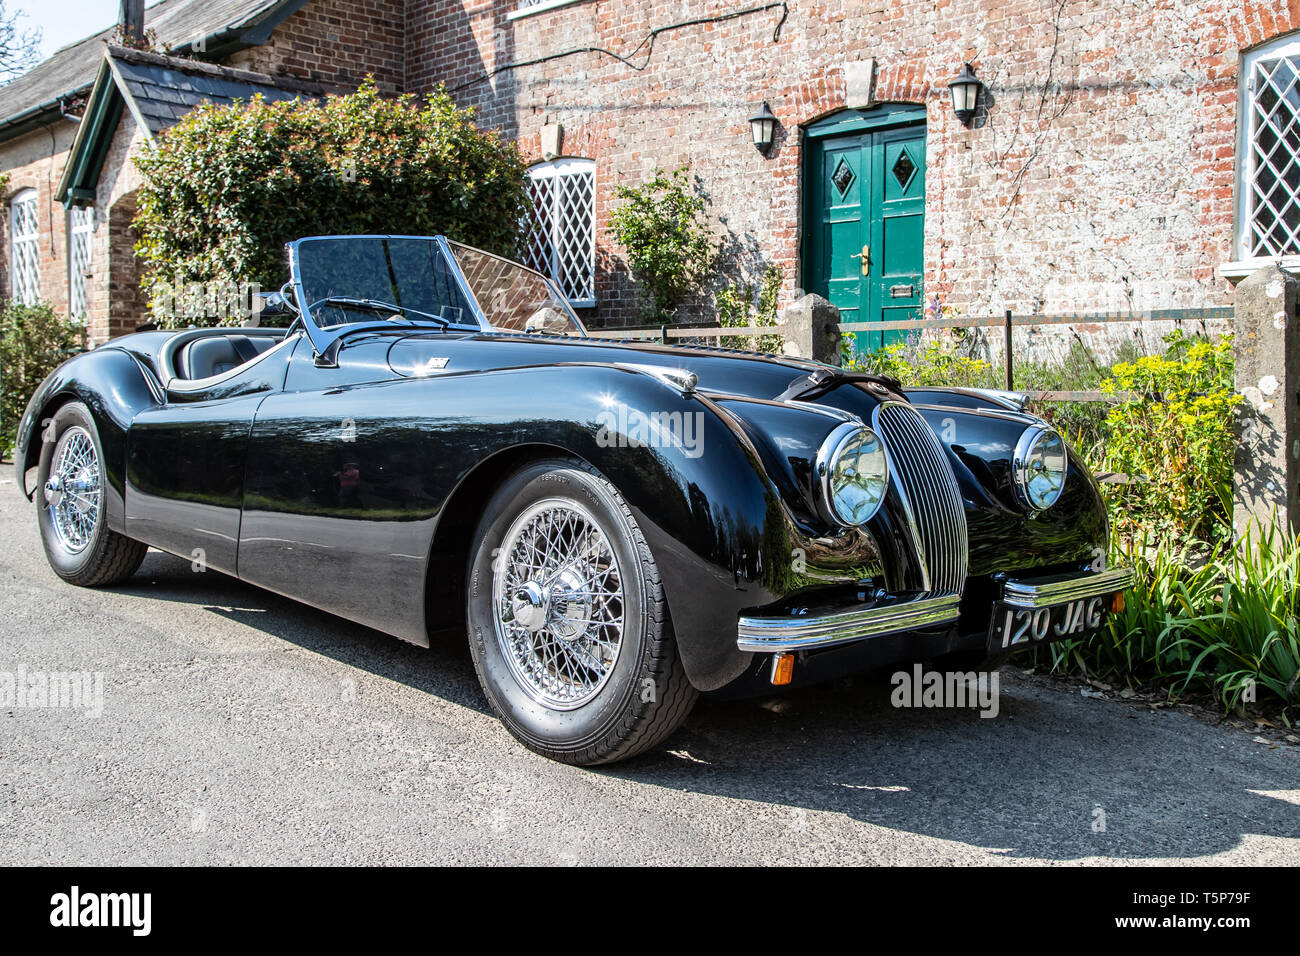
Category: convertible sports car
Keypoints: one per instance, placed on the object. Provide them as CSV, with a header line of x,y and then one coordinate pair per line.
x,y
434,444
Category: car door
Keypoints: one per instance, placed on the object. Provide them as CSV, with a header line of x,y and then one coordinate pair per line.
x,y
186,459
347,470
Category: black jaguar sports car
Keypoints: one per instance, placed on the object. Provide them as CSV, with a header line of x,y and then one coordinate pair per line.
x,y
434,445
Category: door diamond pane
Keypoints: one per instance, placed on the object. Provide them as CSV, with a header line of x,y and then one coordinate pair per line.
x,y
903,169
842,177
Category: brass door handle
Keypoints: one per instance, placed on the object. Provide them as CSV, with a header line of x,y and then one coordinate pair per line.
x,y
865,256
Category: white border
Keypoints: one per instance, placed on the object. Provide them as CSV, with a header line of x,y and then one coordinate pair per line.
x,y
1243,263
542,7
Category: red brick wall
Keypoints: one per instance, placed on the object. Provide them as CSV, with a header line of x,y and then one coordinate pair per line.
x,y
335,41
35,161
1101,177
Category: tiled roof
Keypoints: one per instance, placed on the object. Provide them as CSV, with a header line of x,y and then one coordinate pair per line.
x,y
158,91
162,89
177,24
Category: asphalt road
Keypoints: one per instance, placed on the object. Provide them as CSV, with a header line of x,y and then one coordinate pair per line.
x,y
240,727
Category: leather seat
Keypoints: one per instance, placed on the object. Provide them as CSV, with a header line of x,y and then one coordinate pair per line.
x,y
217,354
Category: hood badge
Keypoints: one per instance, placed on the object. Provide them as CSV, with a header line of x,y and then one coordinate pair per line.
x,y
434,364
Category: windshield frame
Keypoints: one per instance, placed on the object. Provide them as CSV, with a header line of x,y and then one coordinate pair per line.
x,y
326,340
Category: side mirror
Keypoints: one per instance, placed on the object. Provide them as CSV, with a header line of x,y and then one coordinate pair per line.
x,y
272,305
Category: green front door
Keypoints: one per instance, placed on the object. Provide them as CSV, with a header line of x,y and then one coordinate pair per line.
x,y
864,196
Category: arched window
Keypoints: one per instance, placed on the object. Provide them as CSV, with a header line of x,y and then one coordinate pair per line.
x,y
81,227
24,256
1268,213
560,234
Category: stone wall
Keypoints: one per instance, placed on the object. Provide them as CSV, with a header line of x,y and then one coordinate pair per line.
x,y
1097,175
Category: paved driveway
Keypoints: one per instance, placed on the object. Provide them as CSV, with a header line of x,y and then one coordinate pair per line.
x,y
237,726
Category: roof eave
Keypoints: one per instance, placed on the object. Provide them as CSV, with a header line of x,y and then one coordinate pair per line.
x,y
252,32
94,135
35,117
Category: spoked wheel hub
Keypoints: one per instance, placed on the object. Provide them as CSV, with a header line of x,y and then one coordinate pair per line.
x,y
558,595
72,491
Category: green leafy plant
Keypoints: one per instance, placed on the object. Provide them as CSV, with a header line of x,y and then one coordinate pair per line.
x,y
936,362
1173,438
1223,623
670,250
739,304
228,186
34,341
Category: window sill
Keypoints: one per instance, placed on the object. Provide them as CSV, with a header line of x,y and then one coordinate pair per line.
x,y
541,7
1234,272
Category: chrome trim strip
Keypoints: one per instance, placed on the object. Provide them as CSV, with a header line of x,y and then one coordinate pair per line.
x,y
680,380
191,385
780,634
1061,589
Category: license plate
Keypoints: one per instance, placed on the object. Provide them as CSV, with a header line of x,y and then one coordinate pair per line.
x,y
1016,627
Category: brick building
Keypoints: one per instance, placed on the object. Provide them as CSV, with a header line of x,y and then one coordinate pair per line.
x,y
1136,155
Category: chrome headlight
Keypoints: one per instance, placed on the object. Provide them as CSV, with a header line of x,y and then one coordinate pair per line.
x,y
1039,466
854,474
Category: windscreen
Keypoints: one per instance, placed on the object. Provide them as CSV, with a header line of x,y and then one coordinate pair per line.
x,y
407,273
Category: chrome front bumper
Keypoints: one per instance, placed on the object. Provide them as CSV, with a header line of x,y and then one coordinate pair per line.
x,y
775,635
1064,588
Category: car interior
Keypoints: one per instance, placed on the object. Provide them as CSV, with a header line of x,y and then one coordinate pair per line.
x,y
214,352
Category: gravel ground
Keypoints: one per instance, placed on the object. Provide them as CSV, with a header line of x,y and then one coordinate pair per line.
x,y
240,727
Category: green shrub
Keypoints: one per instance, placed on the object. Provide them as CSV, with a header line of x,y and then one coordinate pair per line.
x,y
662,227
739,305
33,342
1173,439
937,362
228,186
1223,623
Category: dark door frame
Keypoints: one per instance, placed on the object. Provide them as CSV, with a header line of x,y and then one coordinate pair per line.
x,y
842,123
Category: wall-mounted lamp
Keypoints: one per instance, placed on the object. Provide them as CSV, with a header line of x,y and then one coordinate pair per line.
x,y
763,125
965,88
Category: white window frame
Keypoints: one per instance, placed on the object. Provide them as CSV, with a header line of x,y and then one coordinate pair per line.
x,y
25,247
81,230
559,244
526,8
1246,258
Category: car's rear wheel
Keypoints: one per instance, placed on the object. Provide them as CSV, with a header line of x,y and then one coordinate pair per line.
x,y
80,546
568,625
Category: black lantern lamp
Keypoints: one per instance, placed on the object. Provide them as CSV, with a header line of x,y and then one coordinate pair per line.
x,y
763,125
965,88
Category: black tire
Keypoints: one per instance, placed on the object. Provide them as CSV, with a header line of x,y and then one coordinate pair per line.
x,y
645,695
106,557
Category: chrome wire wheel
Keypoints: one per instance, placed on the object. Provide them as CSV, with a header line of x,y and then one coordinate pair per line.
x,y
557,594
73,492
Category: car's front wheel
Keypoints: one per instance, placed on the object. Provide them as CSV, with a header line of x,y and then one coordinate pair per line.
x,y
568,625
80,546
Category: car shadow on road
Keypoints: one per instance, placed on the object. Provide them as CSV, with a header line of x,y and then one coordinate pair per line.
x,y
1053,776
445,671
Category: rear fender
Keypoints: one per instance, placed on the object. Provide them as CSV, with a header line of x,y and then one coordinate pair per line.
x,y
115,388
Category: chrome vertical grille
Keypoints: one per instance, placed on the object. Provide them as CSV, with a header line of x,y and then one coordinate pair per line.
x,y
920,474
